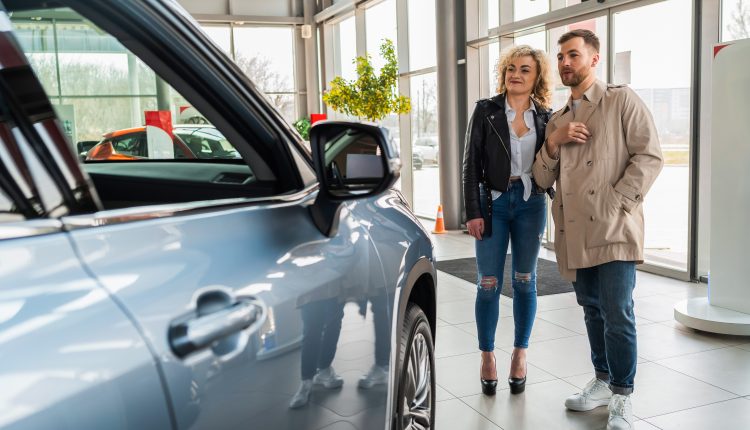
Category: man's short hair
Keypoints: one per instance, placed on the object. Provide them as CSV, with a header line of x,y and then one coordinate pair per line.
x,y
588,36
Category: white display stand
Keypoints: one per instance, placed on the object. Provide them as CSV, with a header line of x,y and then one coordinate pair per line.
x,y
727,307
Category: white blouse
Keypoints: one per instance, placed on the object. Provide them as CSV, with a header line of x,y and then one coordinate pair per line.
x,y
522,149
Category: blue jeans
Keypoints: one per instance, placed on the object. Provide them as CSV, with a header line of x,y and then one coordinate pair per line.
x,y
606,294
321,326
523,223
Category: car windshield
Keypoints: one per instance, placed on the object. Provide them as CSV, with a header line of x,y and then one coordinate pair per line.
x,y
206,142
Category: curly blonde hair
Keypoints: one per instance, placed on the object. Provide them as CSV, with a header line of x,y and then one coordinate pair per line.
x,y
542,91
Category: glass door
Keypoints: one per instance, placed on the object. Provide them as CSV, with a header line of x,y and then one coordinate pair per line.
x,y
655,60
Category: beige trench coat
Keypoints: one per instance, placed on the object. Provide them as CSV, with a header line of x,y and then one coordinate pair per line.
x,y
601,184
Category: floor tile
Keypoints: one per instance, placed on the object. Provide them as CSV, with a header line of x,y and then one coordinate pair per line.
x,y
655,308
726,368
453,294
452,341
649,284
657,342
442,394
455,414
660,390
541,406
460,374
732,414
561,357
505,332
457,312
556,301
568,318
453,282
726,339
644,425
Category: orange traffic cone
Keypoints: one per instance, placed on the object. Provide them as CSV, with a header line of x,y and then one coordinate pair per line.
x,y
439,222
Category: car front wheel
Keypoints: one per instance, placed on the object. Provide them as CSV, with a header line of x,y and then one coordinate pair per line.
x,y
416,393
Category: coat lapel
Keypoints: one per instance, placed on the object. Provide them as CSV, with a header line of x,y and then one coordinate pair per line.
x,y
563,119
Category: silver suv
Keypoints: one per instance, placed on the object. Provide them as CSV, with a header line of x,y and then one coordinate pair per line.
x,y
288,287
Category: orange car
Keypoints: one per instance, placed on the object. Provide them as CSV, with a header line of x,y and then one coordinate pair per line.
x,y
131,144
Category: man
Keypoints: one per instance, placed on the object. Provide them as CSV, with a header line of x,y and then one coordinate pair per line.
x,y
604,153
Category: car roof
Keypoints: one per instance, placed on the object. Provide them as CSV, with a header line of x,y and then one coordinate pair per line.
x,y
118,133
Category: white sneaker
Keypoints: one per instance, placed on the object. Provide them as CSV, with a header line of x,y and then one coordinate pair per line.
x,y
328,378
378,375
302,395
620,413
596,393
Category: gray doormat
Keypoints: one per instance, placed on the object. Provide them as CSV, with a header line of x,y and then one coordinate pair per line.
x,y
548,280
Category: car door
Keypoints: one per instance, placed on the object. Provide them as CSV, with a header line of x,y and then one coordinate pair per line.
x,y
70,358
234,296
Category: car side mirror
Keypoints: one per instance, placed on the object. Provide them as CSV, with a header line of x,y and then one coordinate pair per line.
x,y
352,161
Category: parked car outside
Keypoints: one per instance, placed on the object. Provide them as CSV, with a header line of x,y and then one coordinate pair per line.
x,y
427,147
416,160
284,288
189,142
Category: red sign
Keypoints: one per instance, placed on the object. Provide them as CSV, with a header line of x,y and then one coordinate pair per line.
x,y
315,117
161,119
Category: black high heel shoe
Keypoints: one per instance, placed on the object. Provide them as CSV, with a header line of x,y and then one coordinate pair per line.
x,y
489,386
517,385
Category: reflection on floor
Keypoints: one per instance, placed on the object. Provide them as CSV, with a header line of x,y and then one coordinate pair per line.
x,y
686,379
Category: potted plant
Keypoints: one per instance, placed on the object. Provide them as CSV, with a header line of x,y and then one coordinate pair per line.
x,y
371,96
302,126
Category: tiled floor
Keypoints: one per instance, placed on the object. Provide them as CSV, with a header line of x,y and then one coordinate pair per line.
x,y
686,379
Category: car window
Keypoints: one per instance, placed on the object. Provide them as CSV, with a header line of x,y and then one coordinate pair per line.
x,y
206,142
99,88
128,145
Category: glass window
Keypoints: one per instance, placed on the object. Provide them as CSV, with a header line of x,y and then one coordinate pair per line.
x,y
221,35
561,4
493,13
735,20
598,25
266,55
37,40
285,103
380,24
493,58
523,9
666,92
345,51
106,94
537,40
422,34
424,137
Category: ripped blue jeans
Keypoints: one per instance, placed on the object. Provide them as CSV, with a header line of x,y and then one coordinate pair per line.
x,y
522,223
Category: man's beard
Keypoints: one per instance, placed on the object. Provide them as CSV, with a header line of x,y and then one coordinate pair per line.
x,y
572,81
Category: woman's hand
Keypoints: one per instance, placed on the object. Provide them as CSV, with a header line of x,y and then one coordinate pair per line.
x,y
475,227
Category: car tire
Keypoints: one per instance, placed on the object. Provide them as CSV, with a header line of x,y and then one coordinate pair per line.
x,y
416,388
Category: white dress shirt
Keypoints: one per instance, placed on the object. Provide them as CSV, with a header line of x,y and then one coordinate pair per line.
x,y
522,149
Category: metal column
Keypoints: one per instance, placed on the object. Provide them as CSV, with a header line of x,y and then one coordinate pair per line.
x,y
447,78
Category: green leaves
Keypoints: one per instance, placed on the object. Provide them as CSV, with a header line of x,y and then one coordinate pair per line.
x,y
303,127
370,96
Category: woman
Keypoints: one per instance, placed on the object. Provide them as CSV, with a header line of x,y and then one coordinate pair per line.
x,y
503,203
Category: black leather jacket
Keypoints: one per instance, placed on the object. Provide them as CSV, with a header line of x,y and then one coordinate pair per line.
x,y
487,154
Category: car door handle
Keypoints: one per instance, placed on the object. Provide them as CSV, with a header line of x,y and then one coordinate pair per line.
x,y
194,334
